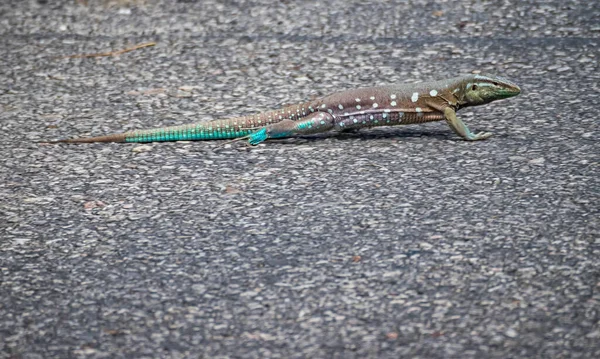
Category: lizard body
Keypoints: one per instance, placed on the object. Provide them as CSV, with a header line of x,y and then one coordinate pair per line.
x,y
353,109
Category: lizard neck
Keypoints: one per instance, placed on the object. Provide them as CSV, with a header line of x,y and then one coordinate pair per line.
x,y
455,93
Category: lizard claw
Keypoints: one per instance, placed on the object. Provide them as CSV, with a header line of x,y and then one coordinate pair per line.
x,y
480,136
258,137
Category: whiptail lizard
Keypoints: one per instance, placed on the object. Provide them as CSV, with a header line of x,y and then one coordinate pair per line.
x,y
353,109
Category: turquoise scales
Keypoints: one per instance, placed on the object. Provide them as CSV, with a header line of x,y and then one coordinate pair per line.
x,y
352,109
219,129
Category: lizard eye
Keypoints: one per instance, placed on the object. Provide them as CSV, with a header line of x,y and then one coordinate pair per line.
x,y
474,87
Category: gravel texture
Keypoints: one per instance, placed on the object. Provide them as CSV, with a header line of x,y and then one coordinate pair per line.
x,y
386,243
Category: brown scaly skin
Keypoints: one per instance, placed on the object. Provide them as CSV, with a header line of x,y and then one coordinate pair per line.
x,y
353,109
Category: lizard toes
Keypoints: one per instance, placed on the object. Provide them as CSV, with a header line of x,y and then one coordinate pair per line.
x,y
258,137
482,135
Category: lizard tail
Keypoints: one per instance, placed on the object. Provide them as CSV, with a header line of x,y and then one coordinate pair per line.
x,y
214,130
209,130
121,137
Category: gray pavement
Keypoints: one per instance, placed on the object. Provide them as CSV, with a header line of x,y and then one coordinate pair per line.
x,y
386,243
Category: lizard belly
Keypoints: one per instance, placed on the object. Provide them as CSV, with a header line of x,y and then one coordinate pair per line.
x,y
386,119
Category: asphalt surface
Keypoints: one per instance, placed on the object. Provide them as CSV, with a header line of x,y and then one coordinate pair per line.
x,y
387,243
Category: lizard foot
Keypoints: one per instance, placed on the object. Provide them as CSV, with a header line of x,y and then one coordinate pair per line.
x,y
480,136
258,137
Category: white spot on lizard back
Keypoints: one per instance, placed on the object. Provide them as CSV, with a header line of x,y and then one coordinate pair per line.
x,y
340,107
433,93
375,105
415,97
393,96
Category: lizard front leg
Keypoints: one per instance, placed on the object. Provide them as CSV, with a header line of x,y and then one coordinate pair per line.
x,y
460,128
314,123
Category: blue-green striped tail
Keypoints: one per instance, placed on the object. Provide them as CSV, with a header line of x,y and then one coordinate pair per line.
x,y
212,130
195,132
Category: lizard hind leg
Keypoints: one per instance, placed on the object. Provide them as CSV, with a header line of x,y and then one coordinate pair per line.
x,y
257,137
314,123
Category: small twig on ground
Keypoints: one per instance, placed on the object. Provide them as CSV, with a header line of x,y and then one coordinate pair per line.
x,y
113,53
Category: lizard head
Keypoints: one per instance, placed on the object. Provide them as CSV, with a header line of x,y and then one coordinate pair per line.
x,y
484,88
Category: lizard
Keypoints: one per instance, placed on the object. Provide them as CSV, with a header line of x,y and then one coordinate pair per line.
x,y
348,110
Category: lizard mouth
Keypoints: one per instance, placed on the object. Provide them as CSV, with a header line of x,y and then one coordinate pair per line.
x,y
509,91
